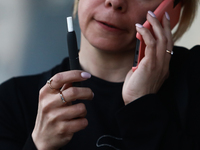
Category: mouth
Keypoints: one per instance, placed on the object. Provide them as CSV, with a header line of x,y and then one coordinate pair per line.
x,y
109,25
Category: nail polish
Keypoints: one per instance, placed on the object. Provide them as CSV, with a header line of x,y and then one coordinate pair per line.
x,y
152,14
85,75
167,16
139,25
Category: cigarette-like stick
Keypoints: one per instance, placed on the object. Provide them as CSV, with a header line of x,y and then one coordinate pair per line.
x,y
70,24
72,46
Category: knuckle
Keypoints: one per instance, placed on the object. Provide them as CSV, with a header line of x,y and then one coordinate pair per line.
x,y
62,130
164,39
45,107
152,43
74,74
51,118
145,31
58,77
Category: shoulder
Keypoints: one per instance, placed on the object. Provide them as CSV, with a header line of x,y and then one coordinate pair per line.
x,y
184,57
185,64
194,54
185,52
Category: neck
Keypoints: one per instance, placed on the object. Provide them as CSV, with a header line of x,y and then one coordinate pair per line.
x,y
110,66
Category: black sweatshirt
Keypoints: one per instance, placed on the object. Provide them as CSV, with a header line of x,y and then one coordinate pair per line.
x,y
168,120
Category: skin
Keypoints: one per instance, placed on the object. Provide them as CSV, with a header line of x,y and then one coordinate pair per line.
x,y
107,53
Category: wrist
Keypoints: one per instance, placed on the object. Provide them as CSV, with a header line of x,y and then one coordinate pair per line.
x,y
41,145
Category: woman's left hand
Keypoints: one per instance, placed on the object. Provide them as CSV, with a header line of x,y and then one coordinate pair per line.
x,y
153,69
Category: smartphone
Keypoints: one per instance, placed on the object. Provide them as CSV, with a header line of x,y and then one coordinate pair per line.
x,y
173,8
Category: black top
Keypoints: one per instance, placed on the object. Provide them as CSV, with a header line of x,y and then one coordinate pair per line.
x,y
167,120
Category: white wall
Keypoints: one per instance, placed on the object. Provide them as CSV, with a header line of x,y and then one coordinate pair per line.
x,y
33,35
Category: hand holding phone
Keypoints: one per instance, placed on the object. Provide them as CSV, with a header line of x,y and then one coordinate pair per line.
x,y
173,8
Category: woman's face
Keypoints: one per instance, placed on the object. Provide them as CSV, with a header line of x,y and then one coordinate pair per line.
x,y
110,24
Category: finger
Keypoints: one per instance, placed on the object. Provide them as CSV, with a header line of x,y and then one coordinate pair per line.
x,y
68,113
52,101
74,93
156,25
49,102
150,50
76,125
65,86
66,129
159,35
167,30
58,80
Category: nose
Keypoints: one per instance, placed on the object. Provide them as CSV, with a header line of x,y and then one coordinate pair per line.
x,y
118,5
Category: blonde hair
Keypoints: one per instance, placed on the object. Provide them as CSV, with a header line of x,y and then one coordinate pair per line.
x,y
189,9
75,10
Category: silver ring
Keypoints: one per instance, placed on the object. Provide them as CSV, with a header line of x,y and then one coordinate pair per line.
x,y
169,52
49,83
62,98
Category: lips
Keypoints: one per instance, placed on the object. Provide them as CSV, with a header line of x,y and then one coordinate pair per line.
x,y
109,25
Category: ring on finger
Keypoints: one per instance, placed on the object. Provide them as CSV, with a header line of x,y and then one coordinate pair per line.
x,y
62,98
169,52
49,83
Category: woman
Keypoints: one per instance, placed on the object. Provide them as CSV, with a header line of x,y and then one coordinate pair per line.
x,y
153,107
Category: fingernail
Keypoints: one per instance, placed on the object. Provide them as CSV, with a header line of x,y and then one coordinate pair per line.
x,y
152,14
85,75
167,16
93,95
139,25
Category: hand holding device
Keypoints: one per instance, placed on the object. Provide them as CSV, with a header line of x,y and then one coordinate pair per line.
x,y
57,119
173,8
154,67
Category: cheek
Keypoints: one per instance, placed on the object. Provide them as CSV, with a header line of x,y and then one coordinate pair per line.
x,y
140,12
84,12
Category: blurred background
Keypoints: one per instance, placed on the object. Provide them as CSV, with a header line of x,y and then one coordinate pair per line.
x,y
33,35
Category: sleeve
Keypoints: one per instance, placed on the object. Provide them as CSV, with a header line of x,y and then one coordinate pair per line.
x,y
14,134
143,123
29,145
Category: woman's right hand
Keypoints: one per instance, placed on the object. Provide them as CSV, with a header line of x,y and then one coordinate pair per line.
x,y
56,121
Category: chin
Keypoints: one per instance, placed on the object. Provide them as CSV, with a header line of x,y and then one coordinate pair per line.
x,y
113,46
